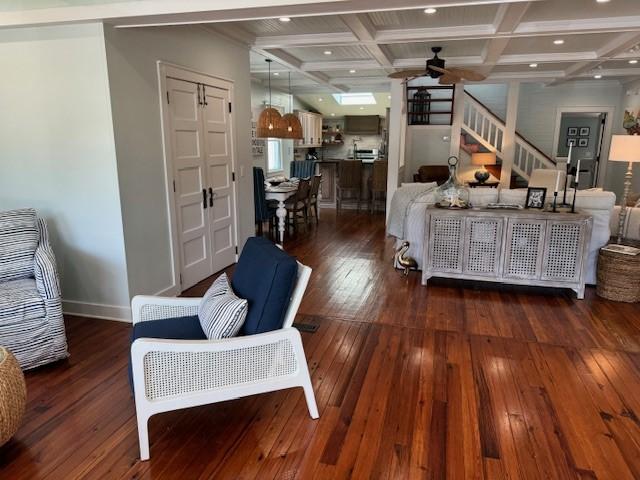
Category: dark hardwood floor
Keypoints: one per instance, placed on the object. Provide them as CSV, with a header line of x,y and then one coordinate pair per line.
x,y
455,380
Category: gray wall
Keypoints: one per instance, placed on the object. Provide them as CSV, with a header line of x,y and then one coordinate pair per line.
x,y
132,56
57,155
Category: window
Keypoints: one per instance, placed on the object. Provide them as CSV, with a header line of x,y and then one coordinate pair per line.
x,y
355,98
274,155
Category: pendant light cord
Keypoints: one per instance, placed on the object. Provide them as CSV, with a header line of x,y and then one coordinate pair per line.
x,y
290,96
269,63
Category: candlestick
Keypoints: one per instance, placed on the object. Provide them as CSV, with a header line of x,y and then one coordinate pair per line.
x,y
575,194
578,172
555,199
557,182
569,156
566,181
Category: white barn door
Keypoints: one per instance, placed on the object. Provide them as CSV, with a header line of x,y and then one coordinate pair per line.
x,y
200,140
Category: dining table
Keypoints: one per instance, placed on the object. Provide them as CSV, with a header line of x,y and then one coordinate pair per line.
x,y
280,194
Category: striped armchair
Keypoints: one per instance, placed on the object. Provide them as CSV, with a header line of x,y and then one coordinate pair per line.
x,y
31,323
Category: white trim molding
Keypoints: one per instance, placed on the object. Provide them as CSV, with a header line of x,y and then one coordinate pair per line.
x,y
97,310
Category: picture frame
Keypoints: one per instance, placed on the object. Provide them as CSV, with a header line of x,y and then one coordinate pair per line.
x,y
571,142
572,131
583,142
535,197
585,131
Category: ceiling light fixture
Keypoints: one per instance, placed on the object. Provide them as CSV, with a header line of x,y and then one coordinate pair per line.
x,y
276,74
291,126
597,77
558,41
430,11
602,1
352,71
284,19
633,62
533,65
328,52
333,114
361,108
319,99
270,120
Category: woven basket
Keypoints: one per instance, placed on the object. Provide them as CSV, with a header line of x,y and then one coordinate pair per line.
x,y
618,277
13,395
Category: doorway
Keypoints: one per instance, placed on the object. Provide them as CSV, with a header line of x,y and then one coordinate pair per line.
x,y
586,131
199,156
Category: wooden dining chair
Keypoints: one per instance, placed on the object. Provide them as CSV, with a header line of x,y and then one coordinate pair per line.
x,y
349,182
378,183
313,196
298,205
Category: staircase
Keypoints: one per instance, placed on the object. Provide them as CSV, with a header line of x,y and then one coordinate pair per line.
x,y
486,128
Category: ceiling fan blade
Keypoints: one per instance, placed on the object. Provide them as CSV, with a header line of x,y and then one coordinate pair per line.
x,y
408,73
468,74
449,80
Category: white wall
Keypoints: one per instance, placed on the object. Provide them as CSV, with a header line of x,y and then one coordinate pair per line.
x,y
615,175
426,145
493,96
132,56
57,155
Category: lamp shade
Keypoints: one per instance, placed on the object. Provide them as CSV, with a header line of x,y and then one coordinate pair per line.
x,y
481,158
625,148
269,124
291,127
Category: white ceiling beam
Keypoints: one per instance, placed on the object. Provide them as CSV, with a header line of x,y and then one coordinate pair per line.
x,y
183,12
419,62
581,25
507,19
323,66
295,64
619,44
364,30
305,40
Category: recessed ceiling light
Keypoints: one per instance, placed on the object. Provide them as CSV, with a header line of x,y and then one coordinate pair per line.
x,y
333,114
361,108
598,76
633,62
602,1
533,65
558,41
284,19
352,71
319,99
388,97
328,52
276,74
430,11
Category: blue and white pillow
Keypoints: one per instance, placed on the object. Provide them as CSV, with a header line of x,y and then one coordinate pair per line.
x,y
221,312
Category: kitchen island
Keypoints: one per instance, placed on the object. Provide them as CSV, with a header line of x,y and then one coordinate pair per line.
x,y
329,168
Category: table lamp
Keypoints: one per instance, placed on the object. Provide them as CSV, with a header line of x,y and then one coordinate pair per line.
x,y
625,148
482,159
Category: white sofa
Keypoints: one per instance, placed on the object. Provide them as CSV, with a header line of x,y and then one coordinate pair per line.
x,y
631,224
598,203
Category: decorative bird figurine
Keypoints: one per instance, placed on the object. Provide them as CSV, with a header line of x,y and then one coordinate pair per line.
x,y
407,263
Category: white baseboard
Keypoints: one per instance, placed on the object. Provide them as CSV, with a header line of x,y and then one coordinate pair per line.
x,y
97,310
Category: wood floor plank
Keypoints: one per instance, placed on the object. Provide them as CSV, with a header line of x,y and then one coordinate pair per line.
x,y
453,380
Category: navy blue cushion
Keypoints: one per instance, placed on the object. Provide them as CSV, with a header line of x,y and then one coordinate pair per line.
x,y
265,276
180,328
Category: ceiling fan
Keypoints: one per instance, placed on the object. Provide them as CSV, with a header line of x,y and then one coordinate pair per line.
x,y
435,69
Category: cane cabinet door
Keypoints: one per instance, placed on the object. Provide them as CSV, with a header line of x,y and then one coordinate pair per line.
x,y
524,248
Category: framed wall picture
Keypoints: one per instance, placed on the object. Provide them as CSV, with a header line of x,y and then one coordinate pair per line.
x,y
585,131
535,197
572,131
583,142
571,142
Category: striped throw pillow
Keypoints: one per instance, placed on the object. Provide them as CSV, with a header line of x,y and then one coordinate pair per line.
x,y
221,312
19,239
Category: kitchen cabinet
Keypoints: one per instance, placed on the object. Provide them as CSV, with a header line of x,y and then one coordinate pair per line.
x,y
311,129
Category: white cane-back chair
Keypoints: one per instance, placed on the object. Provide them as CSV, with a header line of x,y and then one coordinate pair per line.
x,y
173,374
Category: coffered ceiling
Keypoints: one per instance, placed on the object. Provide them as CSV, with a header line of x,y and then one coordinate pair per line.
x,y
551,41
368,39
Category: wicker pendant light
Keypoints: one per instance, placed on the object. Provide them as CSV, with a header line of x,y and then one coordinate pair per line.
x,y
292,128
270,120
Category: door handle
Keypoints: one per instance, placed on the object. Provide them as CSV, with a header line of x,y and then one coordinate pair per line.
x,y
204,198
204,95
211,195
